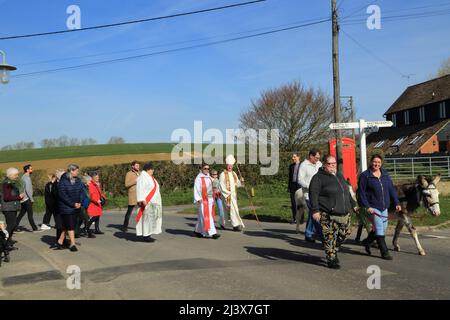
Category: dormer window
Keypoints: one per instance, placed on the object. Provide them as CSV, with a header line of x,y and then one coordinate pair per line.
x,y
379,144
407,117
422,114
442,113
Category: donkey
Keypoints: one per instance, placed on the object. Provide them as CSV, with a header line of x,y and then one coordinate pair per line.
x,y
423,193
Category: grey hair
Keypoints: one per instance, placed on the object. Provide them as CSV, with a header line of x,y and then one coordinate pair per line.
x,y
11,172
72,167
87,179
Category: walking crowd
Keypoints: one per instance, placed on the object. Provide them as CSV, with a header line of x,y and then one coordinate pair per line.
x,y
330,203
76,203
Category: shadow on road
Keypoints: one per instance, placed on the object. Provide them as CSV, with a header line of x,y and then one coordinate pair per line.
x,y
281,254
127,236
181,232
118,227
50,240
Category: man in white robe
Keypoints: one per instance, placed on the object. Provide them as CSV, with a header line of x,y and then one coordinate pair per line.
x,y
229,182
149,218
204,198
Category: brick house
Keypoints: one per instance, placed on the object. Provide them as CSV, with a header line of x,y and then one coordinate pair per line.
x,y
421,117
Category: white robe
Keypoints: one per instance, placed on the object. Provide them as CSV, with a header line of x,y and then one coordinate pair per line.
x,y
151,220
232,212
198,196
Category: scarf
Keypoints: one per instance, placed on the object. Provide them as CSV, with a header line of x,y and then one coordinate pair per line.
x,y
227,180
16,184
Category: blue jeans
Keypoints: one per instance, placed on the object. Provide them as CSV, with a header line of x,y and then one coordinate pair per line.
x,y
312,226
380,222
221,212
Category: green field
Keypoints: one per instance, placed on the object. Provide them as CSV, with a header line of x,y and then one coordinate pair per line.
x,y
88,151
83,151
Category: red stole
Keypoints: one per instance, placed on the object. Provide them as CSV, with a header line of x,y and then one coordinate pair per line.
x,y
147,199
206,220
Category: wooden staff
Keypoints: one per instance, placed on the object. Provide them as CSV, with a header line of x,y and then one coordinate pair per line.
x,y
249,197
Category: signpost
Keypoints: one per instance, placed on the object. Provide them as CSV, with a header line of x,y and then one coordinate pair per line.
x,y
364,127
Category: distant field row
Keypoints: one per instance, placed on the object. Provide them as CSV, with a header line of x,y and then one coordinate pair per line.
x,y
86,151
83,151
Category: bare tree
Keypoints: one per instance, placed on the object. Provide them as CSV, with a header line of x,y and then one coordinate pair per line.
x,y
302,115
444,68
21,145
116,140
88,142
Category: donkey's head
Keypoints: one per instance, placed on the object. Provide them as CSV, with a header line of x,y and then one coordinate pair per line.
x,y
429,194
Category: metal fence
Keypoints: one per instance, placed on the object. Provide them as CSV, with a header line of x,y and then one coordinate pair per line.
x,y
411,167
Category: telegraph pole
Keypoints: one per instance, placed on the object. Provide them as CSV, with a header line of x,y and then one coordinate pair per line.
x,y
352,113
336,84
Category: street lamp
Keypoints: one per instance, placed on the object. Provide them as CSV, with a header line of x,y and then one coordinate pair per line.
x,y
5,69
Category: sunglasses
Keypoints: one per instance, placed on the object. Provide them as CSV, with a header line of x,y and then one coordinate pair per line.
x,y
330,163
205,168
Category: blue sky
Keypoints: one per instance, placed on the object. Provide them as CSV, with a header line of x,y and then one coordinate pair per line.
x,y
145,100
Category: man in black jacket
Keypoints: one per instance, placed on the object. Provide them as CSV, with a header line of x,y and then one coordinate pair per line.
x,y
331,204
293,185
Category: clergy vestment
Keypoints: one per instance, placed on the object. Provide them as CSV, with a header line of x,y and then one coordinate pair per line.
x,y
204,197
229,183
149,219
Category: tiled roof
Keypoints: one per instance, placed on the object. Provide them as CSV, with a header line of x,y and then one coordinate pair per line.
x,y
422,94
390,135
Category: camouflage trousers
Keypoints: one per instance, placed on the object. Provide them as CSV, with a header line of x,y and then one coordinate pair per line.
x,y
335,230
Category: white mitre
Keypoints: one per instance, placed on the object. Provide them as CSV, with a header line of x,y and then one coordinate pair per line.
x,y
230,159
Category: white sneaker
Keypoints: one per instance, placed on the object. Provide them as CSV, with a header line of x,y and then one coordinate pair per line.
x,y
45,227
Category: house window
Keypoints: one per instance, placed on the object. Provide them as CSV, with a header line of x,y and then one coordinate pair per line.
x,y
394,120
442,113
413,141
379,144
399,141
407,117
422,114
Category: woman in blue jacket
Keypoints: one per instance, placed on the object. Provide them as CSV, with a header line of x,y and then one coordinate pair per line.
x,y
70,198
376,192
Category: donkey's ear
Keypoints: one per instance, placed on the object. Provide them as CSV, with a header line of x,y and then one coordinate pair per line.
x,y
422,181
437,179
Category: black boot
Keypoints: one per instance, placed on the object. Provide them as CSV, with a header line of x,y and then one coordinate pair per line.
x,y
368,241
97,227
90,234
383,248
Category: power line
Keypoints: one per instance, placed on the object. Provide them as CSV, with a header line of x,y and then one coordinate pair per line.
x,y
402,17
387,64
132,21
359,9
169,51
414,8
165,44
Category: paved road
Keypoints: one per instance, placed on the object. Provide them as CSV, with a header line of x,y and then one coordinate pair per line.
x,y
268,262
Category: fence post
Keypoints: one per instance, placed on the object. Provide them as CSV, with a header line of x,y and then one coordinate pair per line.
x,y
448,166
395,170
431,168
